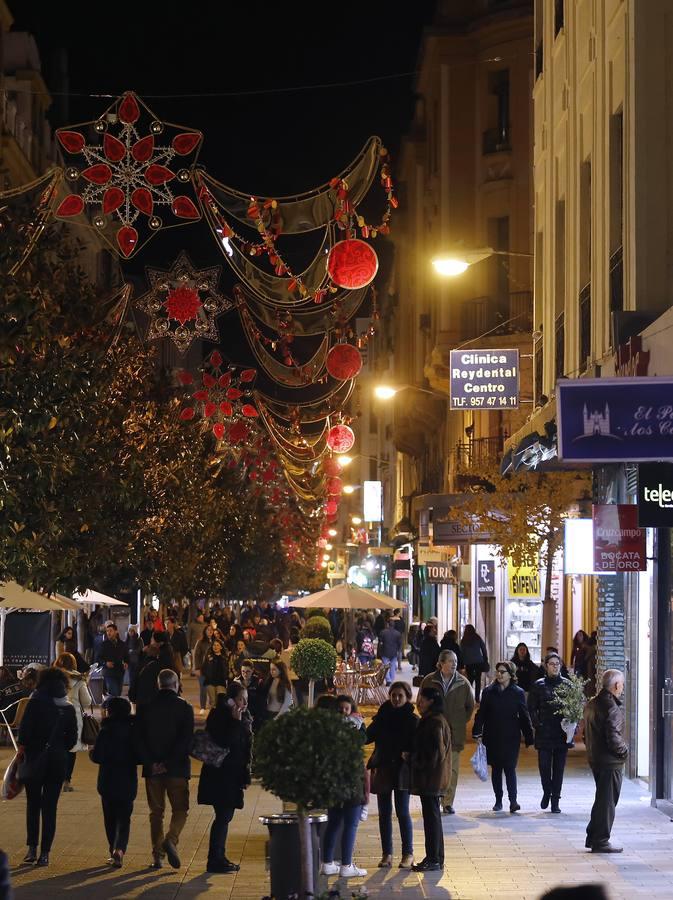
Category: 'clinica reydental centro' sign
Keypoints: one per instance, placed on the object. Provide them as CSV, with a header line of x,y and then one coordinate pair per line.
x,y
484,379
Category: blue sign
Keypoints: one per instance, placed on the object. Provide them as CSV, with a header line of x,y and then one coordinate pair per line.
x,y
484,379
615,419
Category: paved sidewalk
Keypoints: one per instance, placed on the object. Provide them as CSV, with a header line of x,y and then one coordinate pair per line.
x,y
489,856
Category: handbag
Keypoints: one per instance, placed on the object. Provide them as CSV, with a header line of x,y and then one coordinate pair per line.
x,y
204,748
479,763
11,786
417,680
90,728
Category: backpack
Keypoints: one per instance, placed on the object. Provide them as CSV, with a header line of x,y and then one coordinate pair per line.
x,y
367,646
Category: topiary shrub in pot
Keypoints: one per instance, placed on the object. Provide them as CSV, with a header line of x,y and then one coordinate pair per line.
x,y
313,659
317,627
315,611
309,758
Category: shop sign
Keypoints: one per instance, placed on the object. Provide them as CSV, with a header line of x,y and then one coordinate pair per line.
x,y
486,576
655,495
484,379
447,534
615,419
27,638
619,545
372,501
438,573
402,564
523,582
425,555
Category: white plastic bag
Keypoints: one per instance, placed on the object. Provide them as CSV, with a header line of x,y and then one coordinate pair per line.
x,y
479,763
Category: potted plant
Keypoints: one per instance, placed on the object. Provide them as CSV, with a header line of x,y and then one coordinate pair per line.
x,y
313,659
318,627
569,700
307,757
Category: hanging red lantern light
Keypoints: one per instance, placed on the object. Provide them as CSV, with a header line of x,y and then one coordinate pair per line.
x,y
331,507
334,486
331,466
340,438
352,264
343,361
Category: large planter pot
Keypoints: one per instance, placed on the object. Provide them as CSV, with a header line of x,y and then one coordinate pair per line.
x,y
283,852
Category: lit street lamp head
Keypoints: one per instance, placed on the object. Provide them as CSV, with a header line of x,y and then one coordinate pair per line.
x,y
385,391
349,489
450,266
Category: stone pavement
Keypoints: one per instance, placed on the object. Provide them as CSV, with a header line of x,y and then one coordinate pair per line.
x,y
489,856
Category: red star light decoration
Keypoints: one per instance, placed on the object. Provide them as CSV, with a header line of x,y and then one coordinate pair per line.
x,y
183,303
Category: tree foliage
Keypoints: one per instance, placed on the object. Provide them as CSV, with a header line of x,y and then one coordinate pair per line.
x,y
314,659
310,757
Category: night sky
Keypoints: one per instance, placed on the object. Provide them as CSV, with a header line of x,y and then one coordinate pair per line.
x,y
262,141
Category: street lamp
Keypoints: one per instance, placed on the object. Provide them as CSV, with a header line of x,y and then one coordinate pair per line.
x,y
349,489
387,391
456,262
356,520
344,460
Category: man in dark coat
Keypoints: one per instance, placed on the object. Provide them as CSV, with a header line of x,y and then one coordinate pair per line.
x,y
390,644
158,656
606,752
551,742
428,653
178,641
450,642
165,733
113,656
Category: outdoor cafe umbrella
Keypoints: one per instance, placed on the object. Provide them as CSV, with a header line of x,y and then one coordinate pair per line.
x,y
95,597
13,597
347,596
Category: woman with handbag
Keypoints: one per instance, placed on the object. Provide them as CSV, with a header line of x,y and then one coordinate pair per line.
x,y
215,672
431,773
81,699
117,758
222,786
392,730
67,643
48,731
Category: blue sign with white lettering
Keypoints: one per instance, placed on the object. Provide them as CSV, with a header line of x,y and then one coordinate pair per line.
x,y
484,379
615,419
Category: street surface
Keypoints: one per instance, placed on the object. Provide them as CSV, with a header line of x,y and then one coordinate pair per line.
x,y
489,856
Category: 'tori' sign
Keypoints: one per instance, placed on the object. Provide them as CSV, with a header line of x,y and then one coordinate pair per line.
x,y
484,379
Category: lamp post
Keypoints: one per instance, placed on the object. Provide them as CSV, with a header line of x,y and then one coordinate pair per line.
x,y
388,391
457,261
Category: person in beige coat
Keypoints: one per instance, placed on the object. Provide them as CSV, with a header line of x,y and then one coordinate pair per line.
x,y
458,707
81,699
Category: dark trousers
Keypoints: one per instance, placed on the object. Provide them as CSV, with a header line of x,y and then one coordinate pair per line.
x,y
473,674
70,766
349,817
432,826
385,803
217,849
41,799
551,764
510,780
117,812
608,787
113,682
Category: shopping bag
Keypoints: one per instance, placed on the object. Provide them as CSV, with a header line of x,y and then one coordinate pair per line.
x,y
11,786
479,763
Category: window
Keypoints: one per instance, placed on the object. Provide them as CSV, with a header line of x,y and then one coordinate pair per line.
x,y
538,361
497,137
584,298
539,44
616,211
498,238
585,324
560,257
559,347
558,16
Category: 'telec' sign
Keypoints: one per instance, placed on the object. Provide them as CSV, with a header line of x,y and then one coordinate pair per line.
x,y
655,495
484,379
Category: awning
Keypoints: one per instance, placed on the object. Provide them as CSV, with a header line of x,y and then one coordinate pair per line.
x,y
534,443
95,597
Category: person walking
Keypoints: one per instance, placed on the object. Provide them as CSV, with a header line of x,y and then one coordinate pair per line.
x,y
165,732
215,672
450,642
67,643
278,689
428,652
501,719
157,656
48,731
364,641
194,634
390,645
607,752
475,658
113,656
551,742
431,773
81,699
526,670
116,756
256,698
223,787
199,654
392,729
458,706
178,641
134,648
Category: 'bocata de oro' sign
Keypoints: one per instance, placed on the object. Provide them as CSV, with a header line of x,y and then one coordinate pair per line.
x,y
484,379
619,545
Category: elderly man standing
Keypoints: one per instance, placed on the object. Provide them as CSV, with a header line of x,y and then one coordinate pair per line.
x,y
458,707
606,752
164,737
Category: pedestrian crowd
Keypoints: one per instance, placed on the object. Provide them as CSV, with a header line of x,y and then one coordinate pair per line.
x,y
415,751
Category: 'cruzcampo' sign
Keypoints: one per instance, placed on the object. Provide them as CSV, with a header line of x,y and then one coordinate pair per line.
x,y
615,419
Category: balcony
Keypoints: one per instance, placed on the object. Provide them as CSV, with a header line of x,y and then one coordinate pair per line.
x,y
496,140
511,314
478,452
